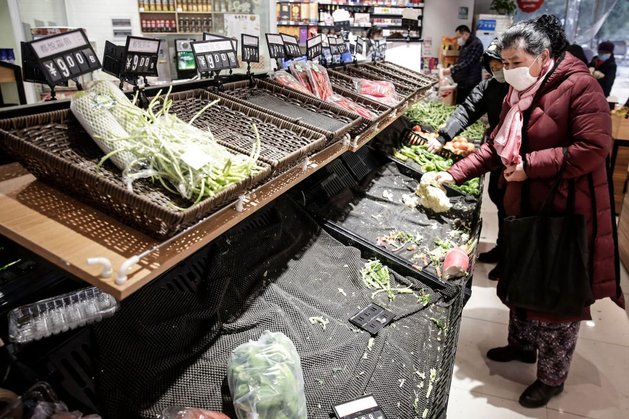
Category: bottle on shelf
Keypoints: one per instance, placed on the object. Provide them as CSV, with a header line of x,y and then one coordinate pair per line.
x,y
158,5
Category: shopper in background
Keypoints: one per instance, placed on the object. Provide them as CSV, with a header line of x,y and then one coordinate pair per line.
x,y
467,72
555,114
603,66
485,98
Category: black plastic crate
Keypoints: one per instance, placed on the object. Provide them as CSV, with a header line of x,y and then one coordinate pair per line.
x,y
362,162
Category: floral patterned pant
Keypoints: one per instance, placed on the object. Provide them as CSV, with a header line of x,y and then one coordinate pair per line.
x,y
555,344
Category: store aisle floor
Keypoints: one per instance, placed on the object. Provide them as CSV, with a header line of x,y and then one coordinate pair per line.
x,y
598,385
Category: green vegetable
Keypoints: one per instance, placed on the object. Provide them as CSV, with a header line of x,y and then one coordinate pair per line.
x,y
471,187
376,276
428,161
157,145
436,114
265,379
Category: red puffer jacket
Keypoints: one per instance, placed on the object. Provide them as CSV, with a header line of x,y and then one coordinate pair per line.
x,y
570,111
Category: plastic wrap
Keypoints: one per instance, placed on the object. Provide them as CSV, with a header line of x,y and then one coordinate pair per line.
x,y
177,412
266,380
350,105
286,79
299,70
319,81
375,88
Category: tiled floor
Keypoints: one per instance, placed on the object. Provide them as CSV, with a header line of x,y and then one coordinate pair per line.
x,y
598,384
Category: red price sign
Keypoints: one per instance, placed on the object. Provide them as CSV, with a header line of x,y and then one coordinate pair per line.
x,y
529,6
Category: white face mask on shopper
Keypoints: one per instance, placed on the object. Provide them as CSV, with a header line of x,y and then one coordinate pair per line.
x,y
520,77
460,41
499,75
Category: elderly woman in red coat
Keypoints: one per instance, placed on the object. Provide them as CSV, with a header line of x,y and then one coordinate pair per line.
x,y
555,114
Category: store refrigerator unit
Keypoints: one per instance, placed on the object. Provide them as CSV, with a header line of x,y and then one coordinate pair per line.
x,y
489,27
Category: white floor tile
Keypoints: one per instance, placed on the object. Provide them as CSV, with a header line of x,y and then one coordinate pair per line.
x,y
555,414
609,324
597,386
474,372
470,405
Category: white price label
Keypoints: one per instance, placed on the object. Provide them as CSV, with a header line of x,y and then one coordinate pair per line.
x,y
59,43
275,39
212,46
250,41
143,45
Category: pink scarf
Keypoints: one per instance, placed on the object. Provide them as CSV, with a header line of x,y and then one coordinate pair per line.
x,y
509,138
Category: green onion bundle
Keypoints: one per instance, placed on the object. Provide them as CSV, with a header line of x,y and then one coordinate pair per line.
x,y
155,144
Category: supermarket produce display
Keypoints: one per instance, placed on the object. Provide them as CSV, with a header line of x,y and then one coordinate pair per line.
x,y
194,342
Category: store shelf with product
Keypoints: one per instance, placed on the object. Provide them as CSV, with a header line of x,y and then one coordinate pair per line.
x,y
191,296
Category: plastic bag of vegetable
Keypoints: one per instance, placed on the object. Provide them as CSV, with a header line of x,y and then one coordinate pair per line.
x,y
265,379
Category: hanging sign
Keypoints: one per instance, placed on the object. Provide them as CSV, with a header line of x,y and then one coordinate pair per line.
x,y
314,47
215,55
138,57
360,48
275,43
250,48
291,46
141,56
528,6
58,58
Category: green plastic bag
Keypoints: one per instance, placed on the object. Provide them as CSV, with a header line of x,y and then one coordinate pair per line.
x,y
265,379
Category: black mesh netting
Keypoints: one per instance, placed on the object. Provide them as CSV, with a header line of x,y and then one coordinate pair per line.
x,y
170,346
377,210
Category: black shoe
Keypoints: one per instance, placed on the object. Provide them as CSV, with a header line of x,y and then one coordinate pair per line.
x,y
539,394
493,256
495,274
511,353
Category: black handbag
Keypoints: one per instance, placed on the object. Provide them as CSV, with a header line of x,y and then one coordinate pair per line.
x,y
546,264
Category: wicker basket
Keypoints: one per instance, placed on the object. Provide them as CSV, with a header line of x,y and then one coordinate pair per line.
x,y
380,110
405,72
287,104
54,147
394,76
283,143
345,78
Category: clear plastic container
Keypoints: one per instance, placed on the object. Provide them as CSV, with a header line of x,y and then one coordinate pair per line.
x,y
59,314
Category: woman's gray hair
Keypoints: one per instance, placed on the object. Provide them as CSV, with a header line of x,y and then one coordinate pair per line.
x,y
536,35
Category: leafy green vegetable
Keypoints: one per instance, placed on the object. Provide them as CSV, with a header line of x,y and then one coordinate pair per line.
x,y
471,187
265,379
436,114
376,276
428,161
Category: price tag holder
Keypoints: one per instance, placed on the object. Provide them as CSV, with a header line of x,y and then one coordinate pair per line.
x,y
381,49
141,56
372,318
58,58
333,41
314,47
276,46
137,58
215,55
360,46
410,18
250,48
291,46
362,408
342,46
213,37
342,26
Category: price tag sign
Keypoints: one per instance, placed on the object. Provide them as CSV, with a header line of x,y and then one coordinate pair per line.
x,y
410,18
141,56
342,26
291,46
333,41
250,48
213,37
58,58
360,46
314,47
276,45
215,55
381,49
363,408
342,46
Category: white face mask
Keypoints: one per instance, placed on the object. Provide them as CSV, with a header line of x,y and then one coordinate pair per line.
x,y
499,75
460,41
520,77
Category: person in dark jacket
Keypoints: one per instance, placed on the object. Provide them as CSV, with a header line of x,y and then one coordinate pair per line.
x,y
577,51
468,70
603,66
486,98
555,115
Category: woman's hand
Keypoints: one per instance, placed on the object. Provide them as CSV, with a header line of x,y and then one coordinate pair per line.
x,y
515,173
444,178
434,145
